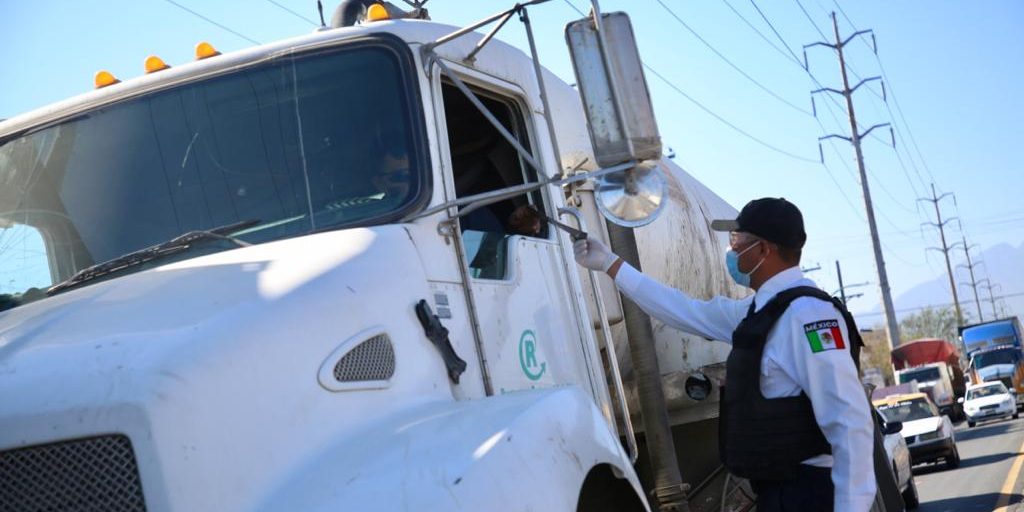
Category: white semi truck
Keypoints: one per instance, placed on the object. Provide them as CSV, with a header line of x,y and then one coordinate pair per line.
x,y
285,279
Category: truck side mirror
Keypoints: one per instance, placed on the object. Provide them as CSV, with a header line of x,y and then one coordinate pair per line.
x,y
610,78
620,117
960,400
892,427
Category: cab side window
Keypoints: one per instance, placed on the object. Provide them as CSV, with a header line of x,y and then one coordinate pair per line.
x,y
482,161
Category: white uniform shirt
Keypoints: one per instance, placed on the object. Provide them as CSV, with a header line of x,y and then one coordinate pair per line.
x,y
792,362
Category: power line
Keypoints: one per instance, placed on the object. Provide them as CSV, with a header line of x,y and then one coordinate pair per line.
x,y
890,194
851,68
214,23
730,63
810,19
726,122
933,306
788,56
707,110
899,158
776,32
895,100
293,13
828,170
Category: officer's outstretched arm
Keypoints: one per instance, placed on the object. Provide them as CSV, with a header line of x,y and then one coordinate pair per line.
x,y
714,319
821,362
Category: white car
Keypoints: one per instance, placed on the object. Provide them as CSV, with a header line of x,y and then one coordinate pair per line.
x,y
899,458
928,433
989,400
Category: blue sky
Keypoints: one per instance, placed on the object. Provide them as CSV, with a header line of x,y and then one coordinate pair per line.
x,y
953,68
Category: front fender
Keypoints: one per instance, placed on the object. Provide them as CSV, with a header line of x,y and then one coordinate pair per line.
x,y
529,450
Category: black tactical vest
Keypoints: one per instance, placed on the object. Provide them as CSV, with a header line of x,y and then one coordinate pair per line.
x,y
767,438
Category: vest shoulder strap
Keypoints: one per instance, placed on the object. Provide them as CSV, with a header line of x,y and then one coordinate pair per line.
x,y
783,299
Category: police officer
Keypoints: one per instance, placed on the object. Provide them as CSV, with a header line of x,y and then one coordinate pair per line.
x,y
794,418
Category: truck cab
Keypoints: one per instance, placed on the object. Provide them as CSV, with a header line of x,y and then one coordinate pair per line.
x,y
995,353
933,379
935,365
999,364
289,278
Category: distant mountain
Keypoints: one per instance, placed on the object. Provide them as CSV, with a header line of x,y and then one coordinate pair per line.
x,y
1005,267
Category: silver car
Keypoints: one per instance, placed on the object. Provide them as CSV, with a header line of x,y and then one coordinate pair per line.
x,y
899,458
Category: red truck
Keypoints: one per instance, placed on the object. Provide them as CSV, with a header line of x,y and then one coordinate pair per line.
x,y
935,365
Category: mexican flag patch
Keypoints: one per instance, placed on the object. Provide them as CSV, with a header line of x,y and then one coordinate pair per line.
x,y
824,335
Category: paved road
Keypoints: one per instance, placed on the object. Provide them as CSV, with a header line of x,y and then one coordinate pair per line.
x,y
987,454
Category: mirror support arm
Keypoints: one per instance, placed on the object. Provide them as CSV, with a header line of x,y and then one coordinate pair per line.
x,y
485,198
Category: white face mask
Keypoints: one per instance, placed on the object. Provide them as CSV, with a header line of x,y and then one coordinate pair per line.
x,y
732,262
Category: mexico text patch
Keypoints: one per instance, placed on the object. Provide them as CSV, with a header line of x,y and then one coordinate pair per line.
x,y
824,335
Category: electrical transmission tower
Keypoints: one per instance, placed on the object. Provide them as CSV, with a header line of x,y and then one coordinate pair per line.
x,y
892,327
970,267
989,286
941,224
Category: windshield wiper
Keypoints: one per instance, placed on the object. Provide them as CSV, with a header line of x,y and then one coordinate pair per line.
x,y
172,246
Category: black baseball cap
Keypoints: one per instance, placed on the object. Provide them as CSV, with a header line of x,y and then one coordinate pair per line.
x,y
773,219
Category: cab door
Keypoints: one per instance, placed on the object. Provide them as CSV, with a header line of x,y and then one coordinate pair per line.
x,y
525,311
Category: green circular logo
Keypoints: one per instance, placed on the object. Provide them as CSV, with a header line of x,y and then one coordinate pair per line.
x,y
528,356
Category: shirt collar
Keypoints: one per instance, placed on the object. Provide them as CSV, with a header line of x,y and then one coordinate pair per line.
x,y
777,283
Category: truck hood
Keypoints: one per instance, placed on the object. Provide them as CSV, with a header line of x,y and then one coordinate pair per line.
x,y
922,426
995,371
200,362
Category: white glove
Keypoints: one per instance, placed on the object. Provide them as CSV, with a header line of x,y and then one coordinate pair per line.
x,y
592,254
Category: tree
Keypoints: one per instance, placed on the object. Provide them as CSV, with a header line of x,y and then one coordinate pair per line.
x,y
930,323
875,353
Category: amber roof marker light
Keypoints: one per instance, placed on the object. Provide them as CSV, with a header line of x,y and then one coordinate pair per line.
x,y
104,78
205,50
377,12
154,64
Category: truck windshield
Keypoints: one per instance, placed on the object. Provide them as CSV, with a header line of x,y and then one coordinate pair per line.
x,y
907,410
920,375
302,143
1005,356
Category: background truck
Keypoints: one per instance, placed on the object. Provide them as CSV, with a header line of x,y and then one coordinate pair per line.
x,y
935,365
285,278
994,352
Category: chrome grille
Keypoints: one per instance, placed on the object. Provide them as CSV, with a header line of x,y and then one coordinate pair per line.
x,y
373,359
97,474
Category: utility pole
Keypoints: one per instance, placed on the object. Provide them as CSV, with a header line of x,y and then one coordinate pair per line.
x,y
842,287
892,327
941,224
970,267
